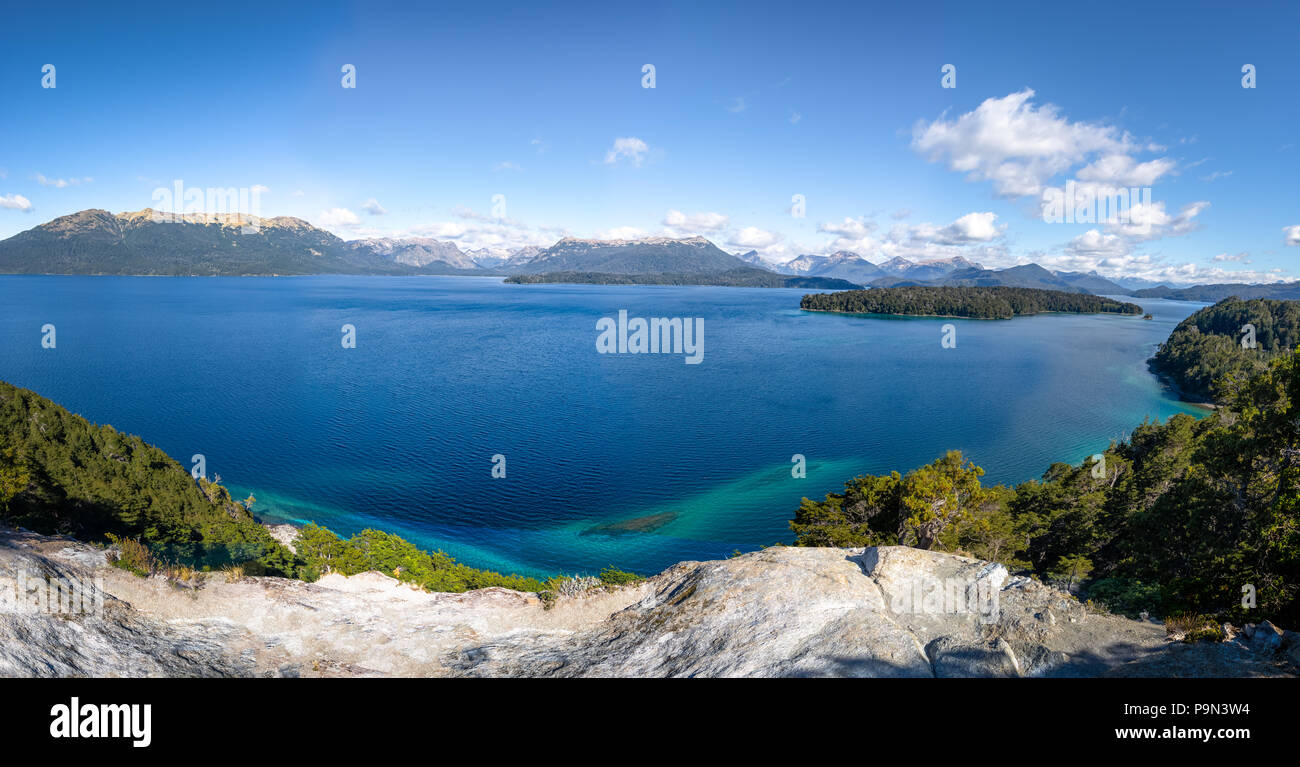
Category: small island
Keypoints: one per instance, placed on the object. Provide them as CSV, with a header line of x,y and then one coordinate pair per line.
x,y
986,303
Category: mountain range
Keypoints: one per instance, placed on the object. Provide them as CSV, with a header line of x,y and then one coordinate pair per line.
x,y
955,271
1217,292
145,243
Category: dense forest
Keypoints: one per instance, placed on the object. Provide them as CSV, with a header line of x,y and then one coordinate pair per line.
x,y
1183,516
976,302
1205,356
62,475
746,277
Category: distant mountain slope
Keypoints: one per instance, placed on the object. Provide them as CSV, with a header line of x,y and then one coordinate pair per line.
x,y
924,271
742,277
415,251
100,242
659,255
1220,291
956,271
1033,276
842,264
754,259
1094,283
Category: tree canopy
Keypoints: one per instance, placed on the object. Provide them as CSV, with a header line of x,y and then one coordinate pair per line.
x,y
998,302
1184,515
1205,356
62,475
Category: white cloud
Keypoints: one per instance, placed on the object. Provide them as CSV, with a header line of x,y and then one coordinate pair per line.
x,y
505,166
1123,170
1216,175
1095,244
1019,146
259,189
1291,235
297,193
60,183
476,231
629,148
1240,257
737,105
460,211
1149,221
1112,251
15,202
849,227
444,230
621,233
695,222
972,227
852,234
1147,267
373,207
753,238
338,218
919,242
795,117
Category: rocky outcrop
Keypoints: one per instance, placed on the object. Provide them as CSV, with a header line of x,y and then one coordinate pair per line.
x,y
888,611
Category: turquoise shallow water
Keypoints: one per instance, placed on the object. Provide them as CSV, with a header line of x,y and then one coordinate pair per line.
x,y
399,432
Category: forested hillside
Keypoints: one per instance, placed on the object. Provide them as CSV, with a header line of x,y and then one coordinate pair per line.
x,y
1218,292
62,475
974,302
1184,516
1205,356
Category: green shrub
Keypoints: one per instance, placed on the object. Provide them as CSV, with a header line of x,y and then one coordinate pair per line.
x,y
611,576
1190,628
1127,596
133,556
321,551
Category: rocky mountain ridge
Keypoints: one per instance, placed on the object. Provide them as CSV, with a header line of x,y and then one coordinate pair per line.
x,y
149,242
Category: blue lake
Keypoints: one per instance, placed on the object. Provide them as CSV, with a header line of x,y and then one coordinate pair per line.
x,y
399,432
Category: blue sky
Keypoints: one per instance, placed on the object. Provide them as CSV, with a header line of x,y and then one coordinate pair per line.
x,y
753,103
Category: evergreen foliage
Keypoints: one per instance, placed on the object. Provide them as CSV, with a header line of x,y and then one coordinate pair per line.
x,y
975,302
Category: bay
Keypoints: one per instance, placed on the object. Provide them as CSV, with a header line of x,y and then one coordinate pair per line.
x,y
639,461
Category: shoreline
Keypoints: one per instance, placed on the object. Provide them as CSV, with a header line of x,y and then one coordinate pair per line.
x,y
1173,386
